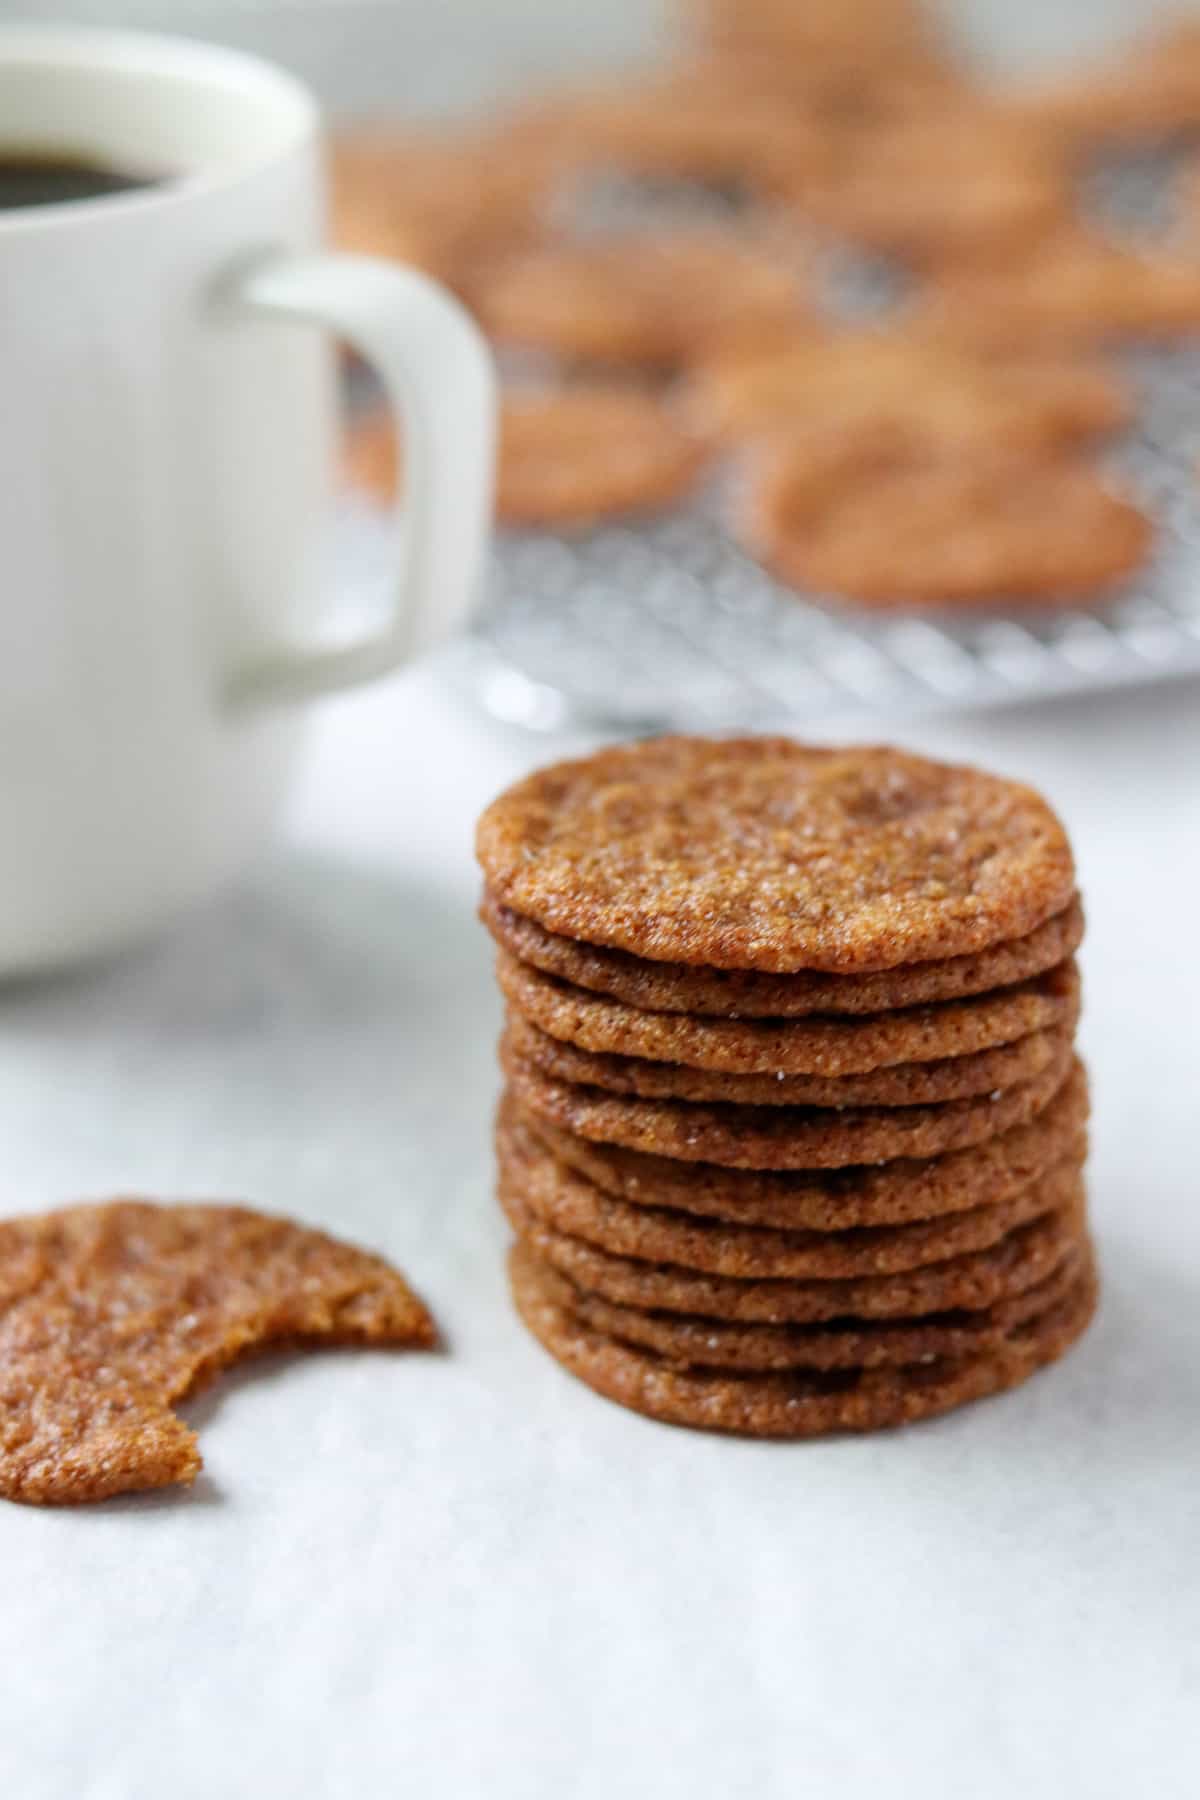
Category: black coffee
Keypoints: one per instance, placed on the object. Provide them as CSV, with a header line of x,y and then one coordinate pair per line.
x,y
37,178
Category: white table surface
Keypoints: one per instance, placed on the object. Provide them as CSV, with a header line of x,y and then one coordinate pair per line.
x,y
464,1575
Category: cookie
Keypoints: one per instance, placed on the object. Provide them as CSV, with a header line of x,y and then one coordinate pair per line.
x,y
1149,92
646,301
901,1085
567,456
439,200
891,524
817,30
762,853
110,1315
566,1202
795,1405
832,91
865,1198
938,186
1072,289
748,994
807,1046
766,1137
977,1278
938,395
671,127
855,1344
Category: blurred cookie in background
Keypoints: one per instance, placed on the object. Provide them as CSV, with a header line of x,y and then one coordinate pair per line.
x,y
438,199
817,30
937,185
938,394
649,299
677,125
567,456
886,522
1147,92
1073,287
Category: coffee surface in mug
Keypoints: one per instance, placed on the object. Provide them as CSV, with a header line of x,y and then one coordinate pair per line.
x,y
35,177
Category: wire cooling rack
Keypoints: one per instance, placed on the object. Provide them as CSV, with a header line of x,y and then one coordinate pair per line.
x,y
669,624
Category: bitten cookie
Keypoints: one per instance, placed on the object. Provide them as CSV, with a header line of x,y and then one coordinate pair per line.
x,y
109,1315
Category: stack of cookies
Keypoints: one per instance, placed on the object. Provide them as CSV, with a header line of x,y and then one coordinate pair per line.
x,y
793,1133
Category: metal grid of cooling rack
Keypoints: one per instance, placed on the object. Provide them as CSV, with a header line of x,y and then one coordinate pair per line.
x,y
670,625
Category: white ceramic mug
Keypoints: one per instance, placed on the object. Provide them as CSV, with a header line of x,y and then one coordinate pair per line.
x,y
166,438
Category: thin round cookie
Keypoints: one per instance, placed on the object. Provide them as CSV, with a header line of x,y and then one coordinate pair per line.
x,y
796,1405
1147,93
1072,289
888,186
886,522
567,1202
762,853
902,1085
649,301
809,1046
764,1137
977,1279
939,394
861,32
832,92
567,456
832,1201
750,994
437,200
857,1344
671,126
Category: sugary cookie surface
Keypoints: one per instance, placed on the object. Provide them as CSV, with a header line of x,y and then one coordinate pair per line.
x,y
111,1314
762,853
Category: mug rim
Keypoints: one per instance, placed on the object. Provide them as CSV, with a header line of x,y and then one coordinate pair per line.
x,y
165,54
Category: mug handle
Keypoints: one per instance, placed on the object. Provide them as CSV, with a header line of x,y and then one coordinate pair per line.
x,y
437,373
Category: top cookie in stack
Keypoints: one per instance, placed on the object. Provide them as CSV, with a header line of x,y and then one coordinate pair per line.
x,y
793,1133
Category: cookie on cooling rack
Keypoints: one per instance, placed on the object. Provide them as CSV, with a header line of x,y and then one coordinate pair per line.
x,y
889,523
1149,92
891,187
645,299
1072,288
940,394
436,199
678,126
567,456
